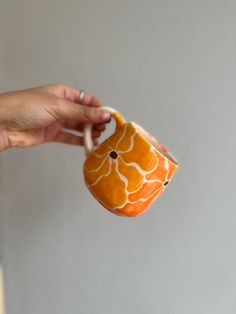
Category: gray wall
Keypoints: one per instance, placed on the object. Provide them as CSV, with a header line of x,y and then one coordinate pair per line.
x,y
171,66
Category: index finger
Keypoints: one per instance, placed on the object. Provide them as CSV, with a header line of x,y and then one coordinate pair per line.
x,y
72,94
89,100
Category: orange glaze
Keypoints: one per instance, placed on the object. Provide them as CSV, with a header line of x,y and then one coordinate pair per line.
x,y
126,173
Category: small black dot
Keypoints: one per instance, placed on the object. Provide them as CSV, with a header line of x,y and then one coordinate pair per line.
x,y
165,184
113,154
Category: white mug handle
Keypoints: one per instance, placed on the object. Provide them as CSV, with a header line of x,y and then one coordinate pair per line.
x,y
88,141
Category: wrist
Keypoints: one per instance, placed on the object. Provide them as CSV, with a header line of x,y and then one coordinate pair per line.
x,y
4,140
4,134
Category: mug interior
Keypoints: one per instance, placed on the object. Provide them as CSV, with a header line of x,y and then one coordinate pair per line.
x,y
154,142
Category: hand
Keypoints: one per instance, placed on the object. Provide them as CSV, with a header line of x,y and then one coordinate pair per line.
x,y
47,114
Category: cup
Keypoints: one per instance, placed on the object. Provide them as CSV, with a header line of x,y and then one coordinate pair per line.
x,y
129,170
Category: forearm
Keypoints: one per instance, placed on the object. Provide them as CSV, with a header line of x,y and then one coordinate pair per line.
x,y
4,141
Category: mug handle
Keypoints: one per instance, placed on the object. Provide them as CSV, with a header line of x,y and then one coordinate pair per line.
x,y
88,142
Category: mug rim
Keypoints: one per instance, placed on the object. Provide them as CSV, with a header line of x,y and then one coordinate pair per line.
x,y
148,138
153,142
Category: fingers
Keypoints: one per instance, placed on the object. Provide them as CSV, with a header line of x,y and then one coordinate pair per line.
x,y
100,127
62,91
68,93
71,139
71,107
68,138
77,126
69,110
96,134
90,100
74,125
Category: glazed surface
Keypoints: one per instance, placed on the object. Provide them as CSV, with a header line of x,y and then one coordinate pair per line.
x,y
126,173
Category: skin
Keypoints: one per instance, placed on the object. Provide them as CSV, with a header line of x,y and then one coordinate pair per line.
x,y
48,114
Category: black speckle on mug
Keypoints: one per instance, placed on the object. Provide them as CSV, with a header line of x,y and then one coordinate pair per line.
x,y
113,154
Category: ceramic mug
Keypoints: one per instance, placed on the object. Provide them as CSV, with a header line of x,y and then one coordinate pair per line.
x,y
129,170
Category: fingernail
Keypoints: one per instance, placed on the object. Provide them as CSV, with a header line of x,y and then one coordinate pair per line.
x,y
103,114
96,115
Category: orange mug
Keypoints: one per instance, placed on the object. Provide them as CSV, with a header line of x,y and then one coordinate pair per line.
x,y
129,170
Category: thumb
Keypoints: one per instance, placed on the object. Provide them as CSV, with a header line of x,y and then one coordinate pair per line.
x,y
81,113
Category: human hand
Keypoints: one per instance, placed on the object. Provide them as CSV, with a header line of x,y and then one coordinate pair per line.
x,y
47,114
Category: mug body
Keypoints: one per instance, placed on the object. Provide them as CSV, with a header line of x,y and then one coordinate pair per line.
x,y
128,171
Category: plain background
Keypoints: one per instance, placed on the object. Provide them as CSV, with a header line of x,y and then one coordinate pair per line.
x,y
170,66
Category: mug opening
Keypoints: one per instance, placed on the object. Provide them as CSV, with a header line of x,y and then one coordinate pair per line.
x,y
154,142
